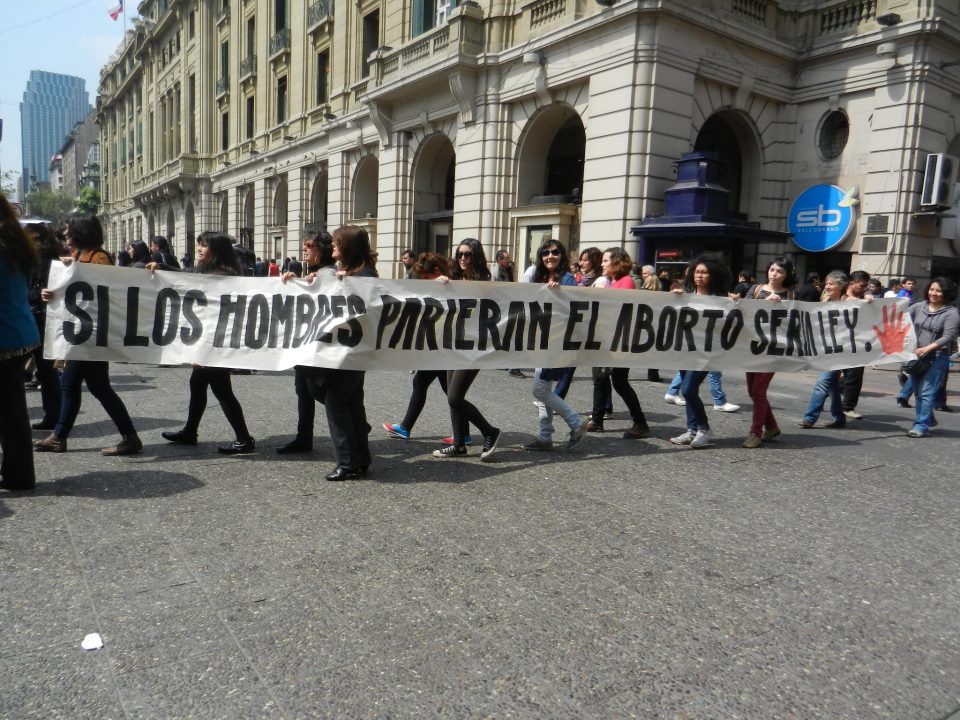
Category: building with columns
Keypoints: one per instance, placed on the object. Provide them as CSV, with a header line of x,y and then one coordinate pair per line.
x,y
515,121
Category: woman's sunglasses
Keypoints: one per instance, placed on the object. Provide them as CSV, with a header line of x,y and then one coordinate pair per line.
x,y
550,251
464,255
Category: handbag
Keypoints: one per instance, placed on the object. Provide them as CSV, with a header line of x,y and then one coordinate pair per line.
x,y
917,367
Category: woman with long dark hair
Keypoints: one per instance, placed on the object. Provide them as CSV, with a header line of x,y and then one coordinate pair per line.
x,y
18,337
318,260
48,247
215,256
781,279
936,321
552,269
341,391
470,263
429,266
616,267
705,276
139,254
84,236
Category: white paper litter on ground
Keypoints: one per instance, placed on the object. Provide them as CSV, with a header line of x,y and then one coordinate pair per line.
x,y
93,641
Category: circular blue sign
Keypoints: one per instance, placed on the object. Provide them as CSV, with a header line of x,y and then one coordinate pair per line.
x,y
821,218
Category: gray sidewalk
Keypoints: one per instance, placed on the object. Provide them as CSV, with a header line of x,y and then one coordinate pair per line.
x,y
813,577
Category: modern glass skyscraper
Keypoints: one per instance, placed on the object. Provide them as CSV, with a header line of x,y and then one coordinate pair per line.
x,y
52,104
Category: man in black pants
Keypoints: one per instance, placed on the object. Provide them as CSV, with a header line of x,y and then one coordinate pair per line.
x,y
851,380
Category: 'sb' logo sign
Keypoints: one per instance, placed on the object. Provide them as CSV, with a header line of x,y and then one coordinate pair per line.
x,y
821,217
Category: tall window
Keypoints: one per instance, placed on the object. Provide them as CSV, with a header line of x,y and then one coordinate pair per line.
x,y
371,39
280,15
424,16
251,36
250,117
323,72
225,131
225,59
281,99
192,113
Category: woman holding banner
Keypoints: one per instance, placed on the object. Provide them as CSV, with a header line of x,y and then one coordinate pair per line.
x,y
828,383
781,278
937,324
341,391
429,266
215,256
616,266
18,337
84,236
551,268
470,263
705,276
318,259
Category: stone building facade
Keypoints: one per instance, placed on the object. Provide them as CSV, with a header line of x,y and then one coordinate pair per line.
x,y
513,121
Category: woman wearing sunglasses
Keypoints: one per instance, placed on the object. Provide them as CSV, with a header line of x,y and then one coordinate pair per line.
x,y
551,268
469,264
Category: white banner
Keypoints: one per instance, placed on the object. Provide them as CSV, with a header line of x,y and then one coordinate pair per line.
x,y
106,313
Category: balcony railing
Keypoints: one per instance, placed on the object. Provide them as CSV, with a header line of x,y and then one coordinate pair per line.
x,y
248,66
318,11
223,15
280,42
222,85
546,11
846,16
754,10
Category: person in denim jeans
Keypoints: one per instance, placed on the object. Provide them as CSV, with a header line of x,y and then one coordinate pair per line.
x,y
936,323
551,269
705,276
828,383
716,391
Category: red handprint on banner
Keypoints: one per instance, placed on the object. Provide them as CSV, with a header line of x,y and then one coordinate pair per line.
x,y
894,333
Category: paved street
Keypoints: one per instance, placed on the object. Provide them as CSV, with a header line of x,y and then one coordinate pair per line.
x,y
815,577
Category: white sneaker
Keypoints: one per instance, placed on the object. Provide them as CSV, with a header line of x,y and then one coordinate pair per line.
x,y
674,399
853,414
684,439
701,439
726,407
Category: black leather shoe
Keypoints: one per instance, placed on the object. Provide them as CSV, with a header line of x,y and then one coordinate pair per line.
x,y
44,425
903,402
14,487
295,446
944,408
180,437
836,424
238,447
342,473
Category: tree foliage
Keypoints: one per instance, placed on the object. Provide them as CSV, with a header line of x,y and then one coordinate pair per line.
x,y
88,201
51,205
8,184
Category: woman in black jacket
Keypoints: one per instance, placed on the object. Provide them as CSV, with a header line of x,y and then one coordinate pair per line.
x,y
215,256
48,248
341,391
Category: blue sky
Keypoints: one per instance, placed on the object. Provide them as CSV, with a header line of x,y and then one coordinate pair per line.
x,y
73,37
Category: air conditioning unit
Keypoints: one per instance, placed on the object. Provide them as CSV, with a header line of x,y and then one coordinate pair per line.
x,y
939,178
443,12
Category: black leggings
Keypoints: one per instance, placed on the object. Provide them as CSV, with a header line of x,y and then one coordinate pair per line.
x,y
218,380
462,412
621,383
422,380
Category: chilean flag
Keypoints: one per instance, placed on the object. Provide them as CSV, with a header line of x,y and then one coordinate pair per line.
x,y
116,10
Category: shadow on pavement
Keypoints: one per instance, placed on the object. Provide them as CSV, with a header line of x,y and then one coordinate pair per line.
x,y
122,484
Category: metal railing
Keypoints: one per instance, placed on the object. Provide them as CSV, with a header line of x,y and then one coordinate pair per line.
x,y
280,41
224,14
248,66
318,11
222,85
